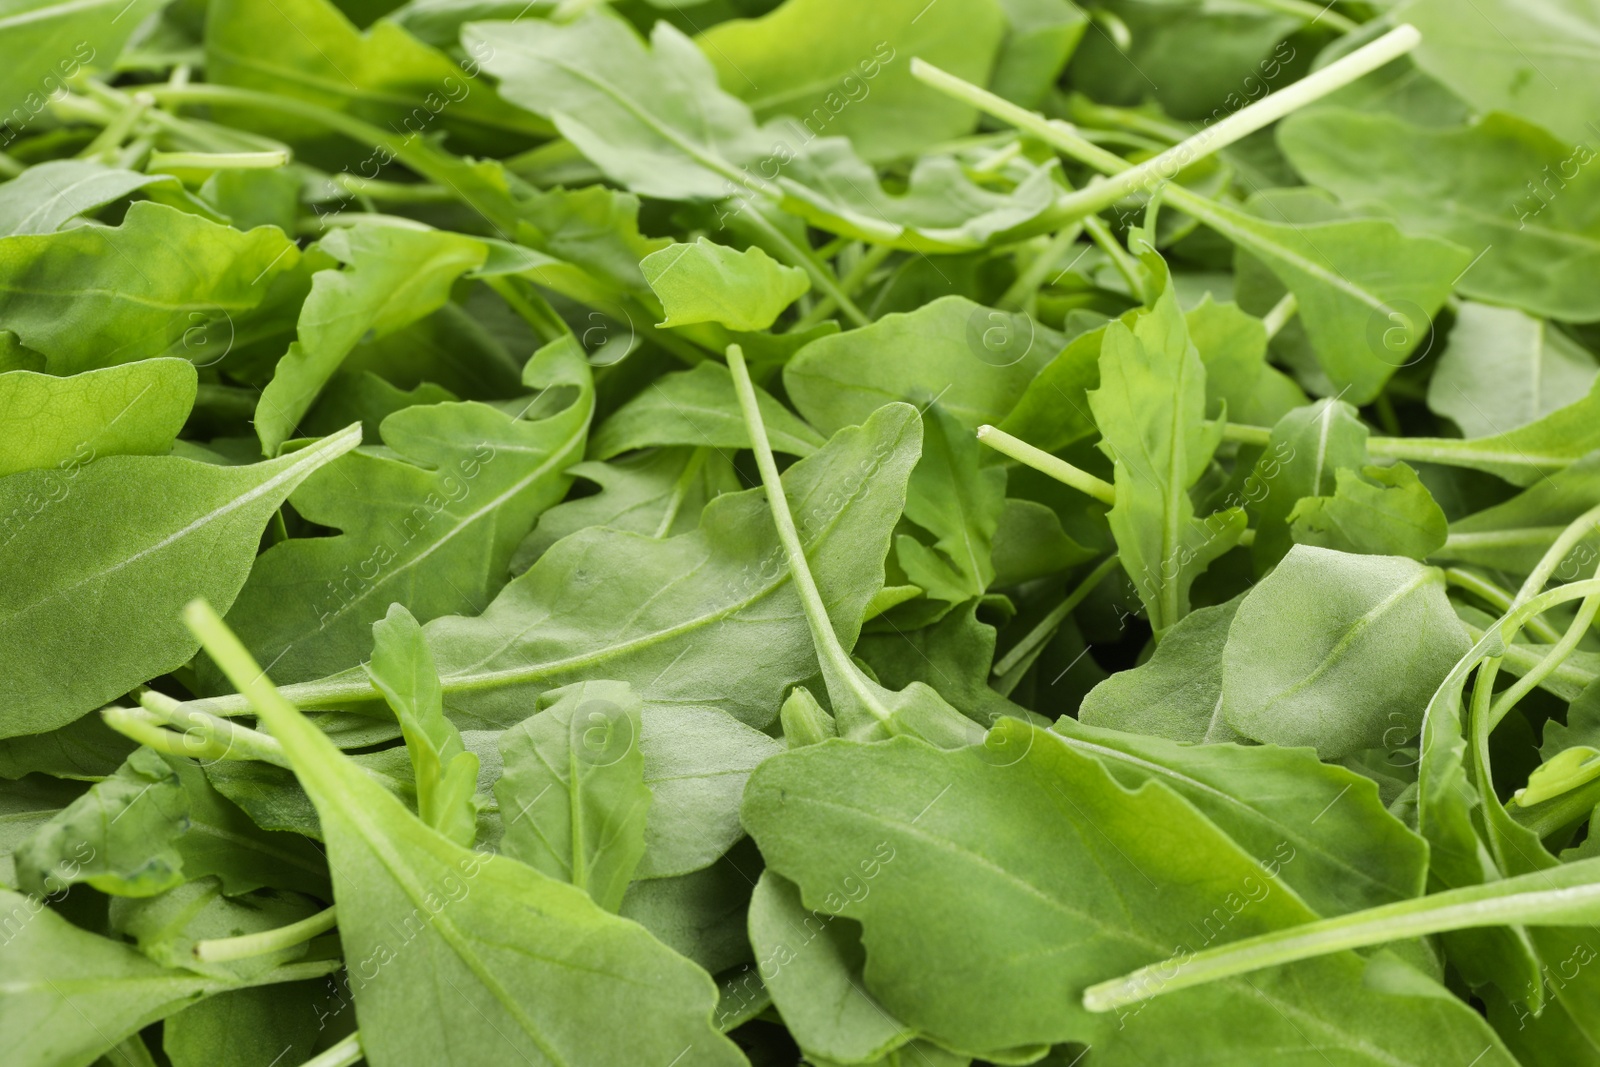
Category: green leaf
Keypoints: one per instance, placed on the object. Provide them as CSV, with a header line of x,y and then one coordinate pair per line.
x,y
708,282
1322,828
1375,636
1503,370
549,977
655,121
976,362
395,276
1041,38
134,409
247,1027
308,50
123,541
1501,185
1366,291
843,70
697,408
957,501
572,793
87,750
1129,874
429,521
167,927
1307,449
721,625
1177,692
49,41
164,282
700,915
812,965
402,669
1150,408
44,197
1528,57
1383,511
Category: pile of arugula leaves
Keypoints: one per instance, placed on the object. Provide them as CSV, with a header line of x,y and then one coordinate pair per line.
x,y
698,533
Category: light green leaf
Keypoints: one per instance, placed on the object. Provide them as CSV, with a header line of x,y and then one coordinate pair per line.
x,y
162,283
698,408
957,501
1528,201
700,915
1366,291
1383,511
658,493
708,282
1128,876
49,41
844,70
812,965
1375,636
86,749
549,977
166,927
1041,37
1503,370
101,558
572,794
247,1027
1307,449
1177,692
721,623
395,276
429,521
1321,828
402,669
1529,57
975,361
1527,454
134,409
47,195
308,50
1150,408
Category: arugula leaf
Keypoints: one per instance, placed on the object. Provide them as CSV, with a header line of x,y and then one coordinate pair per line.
x,y
962,828
573,793
1150,408
60,38
394,277
402,669
1525,58
1307,449
1383,511
431,520
1472,386
1470,185
45,197
547,979
134,409
957,501
163,282
1378,635
697,408
124,541
844,70
708,282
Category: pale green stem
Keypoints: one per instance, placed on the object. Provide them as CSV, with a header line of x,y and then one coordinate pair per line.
x,y
1126,265
1031,280
1508,901
344,1054
1277,318
1313,13
1527,537
1242,123
109,139
142,727
227,949
1558,813
1045,463
1051,622
1575,532
234,740
1552,659
1497,598
849,284
836,659
531,307
171,161
1564,683
1449,451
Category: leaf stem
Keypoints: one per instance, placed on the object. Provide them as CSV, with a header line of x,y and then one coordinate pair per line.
x,y
170,161
1497,598
1045,463
1280,314
849,284
1031,280
1126,265
1162,168
1312,12
1568,895
227,949
807,261
344,1054
838,669
1051,622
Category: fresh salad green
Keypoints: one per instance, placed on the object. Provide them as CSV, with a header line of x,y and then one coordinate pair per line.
x,y
700,533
